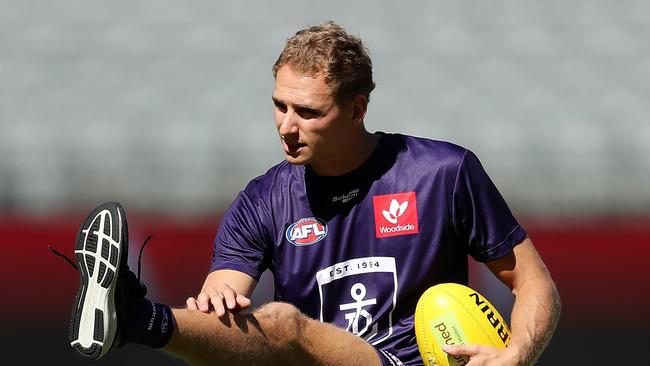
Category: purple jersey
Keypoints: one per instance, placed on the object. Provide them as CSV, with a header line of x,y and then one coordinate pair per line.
x,y
358,250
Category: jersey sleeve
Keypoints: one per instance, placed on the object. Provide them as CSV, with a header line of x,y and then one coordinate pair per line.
x,y
240,243
481,216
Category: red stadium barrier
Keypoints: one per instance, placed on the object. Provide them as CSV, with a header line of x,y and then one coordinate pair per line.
x,y
38,287
600,265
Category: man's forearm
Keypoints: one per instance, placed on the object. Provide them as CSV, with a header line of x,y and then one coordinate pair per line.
x,y
534,318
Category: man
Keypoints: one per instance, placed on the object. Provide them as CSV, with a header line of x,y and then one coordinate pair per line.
x,y
355,227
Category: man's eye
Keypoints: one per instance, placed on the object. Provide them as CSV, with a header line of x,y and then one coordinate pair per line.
x,y
281,107
308,113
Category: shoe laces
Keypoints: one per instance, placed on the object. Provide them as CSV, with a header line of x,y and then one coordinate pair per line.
x,y
57,253
144,243
76,267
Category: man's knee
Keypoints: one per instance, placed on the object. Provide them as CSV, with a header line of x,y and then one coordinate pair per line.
x,y
284,323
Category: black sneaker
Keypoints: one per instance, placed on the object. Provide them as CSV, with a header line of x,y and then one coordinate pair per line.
x,y
106,286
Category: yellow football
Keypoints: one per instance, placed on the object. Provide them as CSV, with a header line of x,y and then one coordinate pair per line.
x,y
449,313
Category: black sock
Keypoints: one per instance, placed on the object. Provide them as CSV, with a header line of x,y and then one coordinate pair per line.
x,y
150,324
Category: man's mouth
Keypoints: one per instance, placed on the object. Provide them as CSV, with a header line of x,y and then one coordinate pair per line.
x,y
293,146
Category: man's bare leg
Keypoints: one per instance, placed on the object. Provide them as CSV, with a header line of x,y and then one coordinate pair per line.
x,y
275,334
111,310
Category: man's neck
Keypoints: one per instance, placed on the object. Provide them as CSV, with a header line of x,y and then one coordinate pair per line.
x,y
355,155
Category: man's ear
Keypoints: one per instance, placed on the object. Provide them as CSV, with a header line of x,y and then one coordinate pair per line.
x,y
359,108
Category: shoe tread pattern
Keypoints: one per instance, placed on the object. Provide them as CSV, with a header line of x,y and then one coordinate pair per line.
x,y
98,258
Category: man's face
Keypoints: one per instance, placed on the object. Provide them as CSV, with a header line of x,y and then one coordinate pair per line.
x,y
312,126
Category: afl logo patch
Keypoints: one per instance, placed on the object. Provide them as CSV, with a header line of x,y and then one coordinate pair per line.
x,y
306,231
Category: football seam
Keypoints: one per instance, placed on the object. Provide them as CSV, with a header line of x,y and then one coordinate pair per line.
x,y
472,315
424,333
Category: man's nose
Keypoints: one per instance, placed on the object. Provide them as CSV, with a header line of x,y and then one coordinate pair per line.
x,y
289,124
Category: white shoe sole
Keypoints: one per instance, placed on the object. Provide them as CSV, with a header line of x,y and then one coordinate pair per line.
x,y
99,250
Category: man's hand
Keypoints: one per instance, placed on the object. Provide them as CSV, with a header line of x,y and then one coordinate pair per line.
x,y
484,355
221,297
224,290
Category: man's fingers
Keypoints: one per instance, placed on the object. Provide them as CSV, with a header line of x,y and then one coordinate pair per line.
x,y
203,302
230,297
243,301
222,299
219,309
216,299
461,350
191,303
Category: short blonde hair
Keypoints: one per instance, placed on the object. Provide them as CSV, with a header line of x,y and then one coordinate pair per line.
x,y
328,49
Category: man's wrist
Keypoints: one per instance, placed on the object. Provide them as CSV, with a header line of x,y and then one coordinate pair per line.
x,y
517,355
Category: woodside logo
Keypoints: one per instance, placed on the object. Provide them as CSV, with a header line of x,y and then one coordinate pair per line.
x,y
395,214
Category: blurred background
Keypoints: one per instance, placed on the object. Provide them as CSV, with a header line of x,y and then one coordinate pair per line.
x,y
165,106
